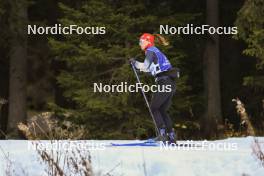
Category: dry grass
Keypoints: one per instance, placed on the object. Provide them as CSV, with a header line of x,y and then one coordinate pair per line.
x,y
12,168
55,162
229,130
245,120
45,126
66,162
58,162
258,151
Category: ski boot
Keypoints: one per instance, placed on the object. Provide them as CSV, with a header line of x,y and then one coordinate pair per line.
x,y
162,136
172,137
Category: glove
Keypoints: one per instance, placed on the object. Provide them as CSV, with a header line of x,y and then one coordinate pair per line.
x,y
132,61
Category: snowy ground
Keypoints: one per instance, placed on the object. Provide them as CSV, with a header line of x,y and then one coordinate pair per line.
x,y
229,157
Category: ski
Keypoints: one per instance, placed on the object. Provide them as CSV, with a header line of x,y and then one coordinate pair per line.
x,y
151,143
136,144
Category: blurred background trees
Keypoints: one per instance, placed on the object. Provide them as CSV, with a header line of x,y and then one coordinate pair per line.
x,y
61,69
251,31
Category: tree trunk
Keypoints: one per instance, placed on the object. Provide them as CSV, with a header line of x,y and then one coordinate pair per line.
x,y
4,81
18,65
212,81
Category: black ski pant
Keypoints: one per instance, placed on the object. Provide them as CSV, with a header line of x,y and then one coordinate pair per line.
x,y
161,102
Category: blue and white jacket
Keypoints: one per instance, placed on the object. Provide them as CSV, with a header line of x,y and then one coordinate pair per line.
x,y
155,62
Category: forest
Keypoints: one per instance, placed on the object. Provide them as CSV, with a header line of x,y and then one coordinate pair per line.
x,y
46,80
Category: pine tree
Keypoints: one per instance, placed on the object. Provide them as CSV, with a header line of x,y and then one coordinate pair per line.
x,y
250,24
250,29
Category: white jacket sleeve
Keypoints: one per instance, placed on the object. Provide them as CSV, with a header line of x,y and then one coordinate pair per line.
x,y
142,66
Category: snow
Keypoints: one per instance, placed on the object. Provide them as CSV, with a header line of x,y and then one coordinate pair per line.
x,y
233,158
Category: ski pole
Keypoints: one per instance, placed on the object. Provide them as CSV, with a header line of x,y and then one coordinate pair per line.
x,y
146,100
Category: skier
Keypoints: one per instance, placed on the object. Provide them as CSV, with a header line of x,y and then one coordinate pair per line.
x,y
157,64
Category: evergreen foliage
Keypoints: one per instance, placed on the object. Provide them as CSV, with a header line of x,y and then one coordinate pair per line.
x,y
104,59
250,23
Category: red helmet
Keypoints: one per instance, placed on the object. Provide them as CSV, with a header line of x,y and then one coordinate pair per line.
x,y
148,37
